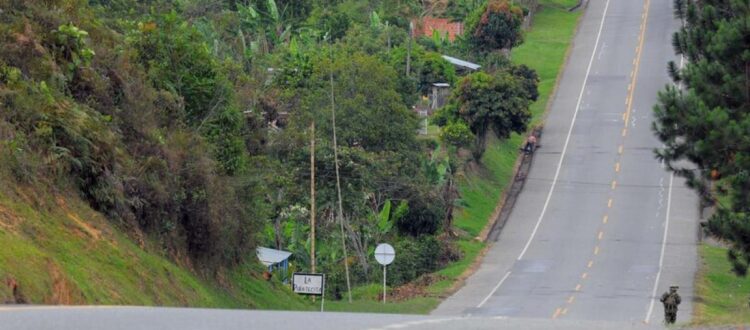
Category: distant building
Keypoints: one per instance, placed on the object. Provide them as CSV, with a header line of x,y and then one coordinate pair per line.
x,y
439,95
462,67
274,260
427,25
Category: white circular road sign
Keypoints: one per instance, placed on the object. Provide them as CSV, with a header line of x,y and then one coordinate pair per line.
x,y
385,254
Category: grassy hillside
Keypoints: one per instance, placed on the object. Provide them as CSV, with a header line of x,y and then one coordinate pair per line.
x,y
723,297
56,250
99,143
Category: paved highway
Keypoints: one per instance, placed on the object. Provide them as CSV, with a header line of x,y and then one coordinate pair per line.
x,y
146,318
601,228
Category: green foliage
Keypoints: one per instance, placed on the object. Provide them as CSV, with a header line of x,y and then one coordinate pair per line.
x,y
177,130
433,68
427,68
71,46
723,296
460,9
498,102
416,257
370,114
457,134
495,26
707,123
179,60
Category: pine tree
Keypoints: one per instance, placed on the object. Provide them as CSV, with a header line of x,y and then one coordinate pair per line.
x,y
707,121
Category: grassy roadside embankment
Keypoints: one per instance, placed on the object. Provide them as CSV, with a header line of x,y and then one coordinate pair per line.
x,y
722,296
57,250
544,49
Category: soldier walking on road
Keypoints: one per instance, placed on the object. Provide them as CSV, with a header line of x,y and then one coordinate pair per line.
x,y
670,300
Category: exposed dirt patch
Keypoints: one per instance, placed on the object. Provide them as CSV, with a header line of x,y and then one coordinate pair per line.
x,y
14,287
94,233
63,292
417,288
8,220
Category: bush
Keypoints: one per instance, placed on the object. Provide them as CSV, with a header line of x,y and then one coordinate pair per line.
x,y
415,257
425,215
457,134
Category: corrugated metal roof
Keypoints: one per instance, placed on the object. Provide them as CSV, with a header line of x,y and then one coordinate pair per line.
x,y
465,64
271,256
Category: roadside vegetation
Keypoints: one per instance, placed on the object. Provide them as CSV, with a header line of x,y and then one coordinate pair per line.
x,y
148,148
706,121
481,187
704,124
722,296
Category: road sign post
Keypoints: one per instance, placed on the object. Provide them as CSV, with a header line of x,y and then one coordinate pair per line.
x,y
310,284
384,255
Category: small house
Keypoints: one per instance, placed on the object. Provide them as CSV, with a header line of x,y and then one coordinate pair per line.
x,y
274,260
439,95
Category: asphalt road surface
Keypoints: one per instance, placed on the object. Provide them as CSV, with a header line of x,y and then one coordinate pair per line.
x,y
601,228
599,232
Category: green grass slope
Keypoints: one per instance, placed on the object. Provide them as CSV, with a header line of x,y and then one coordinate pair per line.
x,y
56,250
722,296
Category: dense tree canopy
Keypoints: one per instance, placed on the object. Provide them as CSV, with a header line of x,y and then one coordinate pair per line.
x,y
496,26
497,102
189,122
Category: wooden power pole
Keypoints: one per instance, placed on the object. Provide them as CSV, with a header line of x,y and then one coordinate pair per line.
x,y
338,186
312,196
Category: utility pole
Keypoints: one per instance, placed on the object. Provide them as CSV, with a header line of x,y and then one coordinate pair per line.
x,y
312,195
338,185
312,198
408,49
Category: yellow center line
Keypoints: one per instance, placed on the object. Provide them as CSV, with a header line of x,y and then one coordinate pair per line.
x,y
564,311
557,313
605,219
625,130
614,184
583,276
617,167
591,263
578,287
571,299
639,52
609,203
620,149
596,251
601,234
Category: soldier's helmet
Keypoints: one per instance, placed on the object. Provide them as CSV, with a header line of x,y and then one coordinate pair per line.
x,y
673,288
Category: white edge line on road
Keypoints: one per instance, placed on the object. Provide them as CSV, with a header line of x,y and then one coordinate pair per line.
x,y
661,256
664,239
570,132
417,322
493,290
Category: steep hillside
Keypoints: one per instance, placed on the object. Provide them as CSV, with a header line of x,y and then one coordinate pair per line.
x,y
56,250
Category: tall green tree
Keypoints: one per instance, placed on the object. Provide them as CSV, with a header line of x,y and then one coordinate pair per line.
x,y
495,26
496,103
707,122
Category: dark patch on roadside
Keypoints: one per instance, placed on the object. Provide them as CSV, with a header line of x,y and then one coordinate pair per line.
x,y
580,4
515,189
18,296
